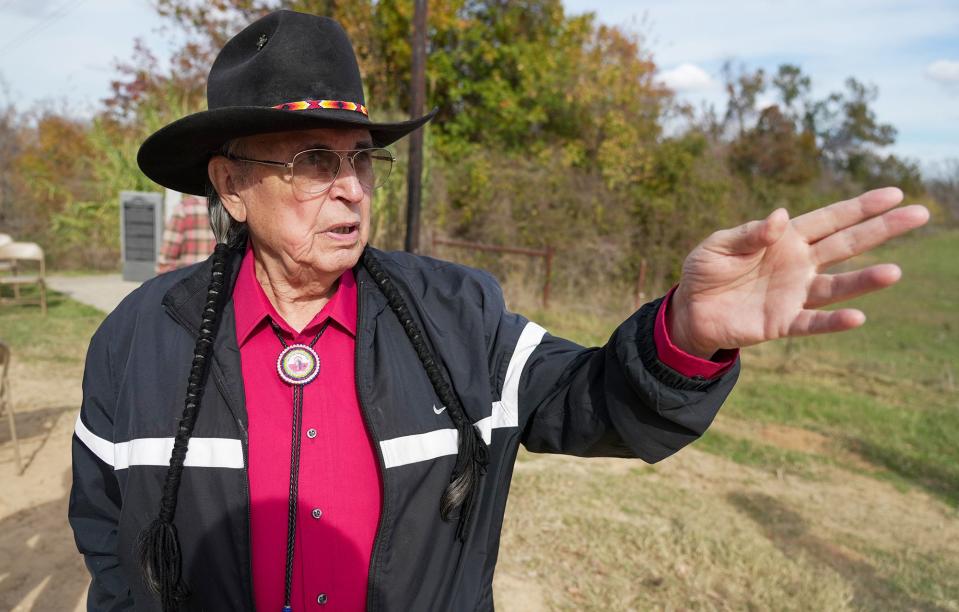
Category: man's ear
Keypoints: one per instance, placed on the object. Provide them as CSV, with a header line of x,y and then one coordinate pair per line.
x,y
225,180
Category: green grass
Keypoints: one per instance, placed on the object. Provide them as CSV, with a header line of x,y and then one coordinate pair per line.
x,y
916,442
59,338
913,328
756,454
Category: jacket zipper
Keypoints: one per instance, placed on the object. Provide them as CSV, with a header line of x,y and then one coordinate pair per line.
x,y
378,540
246,496
249,521
246,460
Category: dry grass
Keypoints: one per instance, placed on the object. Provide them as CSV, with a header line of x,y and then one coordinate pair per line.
x,y
702,532
830,480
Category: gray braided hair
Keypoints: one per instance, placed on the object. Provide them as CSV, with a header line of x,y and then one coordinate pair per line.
x,y
226,229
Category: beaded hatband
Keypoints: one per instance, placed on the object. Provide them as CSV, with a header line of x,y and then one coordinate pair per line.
x,y
309,104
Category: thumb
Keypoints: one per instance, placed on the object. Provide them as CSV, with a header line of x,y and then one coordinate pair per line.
x,y
752,236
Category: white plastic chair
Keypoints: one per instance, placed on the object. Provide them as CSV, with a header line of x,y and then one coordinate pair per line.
x,y
17,253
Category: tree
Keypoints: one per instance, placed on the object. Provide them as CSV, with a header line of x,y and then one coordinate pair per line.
x,y
793,87
944,187
848,128
743,91
773,149
10,145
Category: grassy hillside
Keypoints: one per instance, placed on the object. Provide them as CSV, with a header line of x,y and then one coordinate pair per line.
x,y
830,479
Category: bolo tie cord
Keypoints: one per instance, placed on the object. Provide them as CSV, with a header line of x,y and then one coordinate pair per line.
x,y
294,469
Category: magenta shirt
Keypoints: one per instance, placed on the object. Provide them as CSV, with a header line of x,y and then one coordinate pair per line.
x,y
339,488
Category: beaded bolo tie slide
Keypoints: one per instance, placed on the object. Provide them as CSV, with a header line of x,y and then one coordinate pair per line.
x,y
297,365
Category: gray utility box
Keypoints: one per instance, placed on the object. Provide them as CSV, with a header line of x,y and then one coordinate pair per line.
x,y
141,233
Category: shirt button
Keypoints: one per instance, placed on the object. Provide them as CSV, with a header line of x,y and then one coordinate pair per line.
x,y
317,513
321,599
311,433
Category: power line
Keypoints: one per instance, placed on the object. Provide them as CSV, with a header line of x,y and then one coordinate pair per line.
x,y
56,15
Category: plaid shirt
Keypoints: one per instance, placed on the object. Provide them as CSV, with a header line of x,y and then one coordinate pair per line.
x,y
187,238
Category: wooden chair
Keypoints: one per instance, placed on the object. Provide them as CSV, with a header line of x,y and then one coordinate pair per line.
x,y
17,253
6,401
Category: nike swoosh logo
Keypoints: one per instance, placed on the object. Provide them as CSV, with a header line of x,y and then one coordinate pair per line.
x,y
440,411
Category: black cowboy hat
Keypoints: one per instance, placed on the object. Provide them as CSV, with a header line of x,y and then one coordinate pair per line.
x,y
286,71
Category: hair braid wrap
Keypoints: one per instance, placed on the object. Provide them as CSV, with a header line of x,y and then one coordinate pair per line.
x,y
472,456
158,546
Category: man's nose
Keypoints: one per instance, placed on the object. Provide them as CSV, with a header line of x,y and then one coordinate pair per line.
x,y
347,184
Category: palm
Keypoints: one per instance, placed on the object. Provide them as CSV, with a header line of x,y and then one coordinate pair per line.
x,y
765,279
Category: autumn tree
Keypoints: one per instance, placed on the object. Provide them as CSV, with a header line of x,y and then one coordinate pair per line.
x,y
549,133
10,144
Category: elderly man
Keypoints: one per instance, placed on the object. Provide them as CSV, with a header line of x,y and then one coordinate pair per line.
x,y
351,417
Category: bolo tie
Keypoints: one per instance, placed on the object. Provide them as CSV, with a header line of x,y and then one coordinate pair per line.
x,y
297,365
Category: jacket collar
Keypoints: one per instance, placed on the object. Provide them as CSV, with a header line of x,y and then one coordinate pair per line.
x,y
252,306
186,299
371,302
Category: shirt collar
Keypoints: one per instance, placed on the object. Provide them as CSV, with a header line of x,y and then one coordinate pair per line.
x,y
252,306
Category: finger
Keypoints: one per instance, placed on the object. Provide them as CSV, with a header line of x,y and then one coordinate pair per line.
x,y
869,234
817,224
831,288
753,236
810,322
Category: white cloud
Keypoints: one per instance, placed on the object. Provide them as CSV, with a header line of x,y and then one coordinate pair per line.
x,y
765,100
944,71
686,77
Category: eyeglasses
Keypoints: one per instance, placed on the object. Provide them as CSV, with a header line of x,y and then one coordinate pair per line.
x,y
314,170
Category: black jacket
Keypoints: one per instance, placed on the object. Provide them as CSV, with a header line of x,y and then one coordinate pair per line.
x,y
518,384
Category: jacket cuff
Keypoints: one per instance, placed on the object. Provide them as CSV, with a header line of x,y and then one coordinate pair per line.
x,y
679,360
649,355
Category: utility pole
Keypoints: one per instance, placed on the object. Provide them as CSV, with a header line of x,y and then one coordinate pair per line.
x,y
414,180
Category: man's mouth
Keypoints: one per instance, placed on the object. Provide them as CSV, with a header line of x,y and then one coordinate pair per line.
x,y
344,230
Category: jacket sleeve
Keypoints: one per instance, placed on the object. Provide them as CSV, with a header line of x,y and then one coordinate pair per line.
x,y
618,400
95,499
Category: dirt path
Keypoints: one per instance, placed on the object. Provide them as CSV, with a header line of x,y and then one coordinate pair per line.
x,y
40,568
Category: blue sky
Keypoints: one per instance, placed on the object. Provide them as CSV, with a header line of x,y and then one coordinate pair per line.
x,y
910,50
62,52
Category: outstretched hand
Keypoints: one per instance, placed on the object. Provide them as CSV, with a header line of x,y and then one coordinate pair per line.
x,y
763,280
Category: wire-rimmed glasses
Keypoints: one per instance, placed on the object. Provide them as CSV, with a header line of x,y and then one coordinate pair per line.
x,y
313,171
